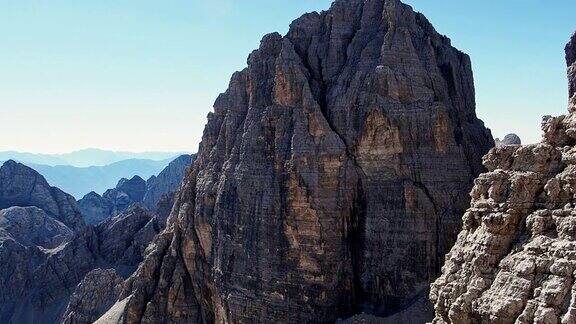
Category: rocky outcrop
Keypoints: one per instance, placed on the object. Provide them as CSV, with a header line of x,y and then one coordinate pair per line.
x,y
154,194
515,259
42,259
47,278
167,182
510,139
23,187
93,296
135,188
124,238
571,58
331,177
96,208
32,227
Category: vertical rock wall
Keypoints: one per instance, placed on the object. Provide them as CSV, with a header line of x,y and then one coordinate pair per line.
x,y
330,180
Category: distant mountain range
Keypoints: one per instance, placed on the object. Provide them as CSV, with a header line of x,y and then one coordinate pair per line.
x,y
84,158
78,181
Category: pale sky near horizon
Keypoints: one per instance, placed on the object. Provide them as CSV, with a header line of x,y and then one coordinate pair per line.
x,y
141,75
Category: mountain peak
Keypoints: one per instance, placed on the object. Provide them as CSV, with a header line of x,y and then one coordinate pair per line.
x,y
22,186
349,144
10,163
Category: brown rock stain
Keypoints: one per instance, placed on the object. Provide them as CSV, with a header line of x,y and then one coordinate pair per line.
x,y
379,136
315,126
287,91
442,131
302,228
410,197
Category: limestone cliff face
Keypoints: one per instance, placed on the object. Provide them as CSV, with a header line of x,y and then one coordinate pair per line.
x,y
515,260
331,177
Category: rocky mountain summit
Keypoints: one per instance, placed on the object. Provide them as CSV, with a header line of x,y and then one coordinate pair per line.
x,y
510,139
135,188
515,259
153,193
46,249
23,187
331,178
96,208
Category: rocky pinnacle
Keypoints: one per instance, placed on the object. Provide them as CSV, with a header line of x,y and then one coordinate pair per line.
x,y
331,178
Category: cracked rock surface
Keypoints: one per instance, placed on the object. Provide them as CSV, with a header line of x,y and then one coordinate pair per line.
x,y
515,259
330,180
94,295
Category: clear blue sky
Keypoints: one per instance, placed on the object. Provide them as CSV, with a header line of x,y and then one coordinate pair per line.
x,y
142,75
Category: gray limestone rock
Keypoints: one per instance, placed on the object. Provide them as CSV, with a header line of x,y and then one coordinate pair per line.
x,y
46,249
38,275
167,182
331,178
23,187
95,208
510,139
135,188
32,227
156,194
124,238
93,296
514,261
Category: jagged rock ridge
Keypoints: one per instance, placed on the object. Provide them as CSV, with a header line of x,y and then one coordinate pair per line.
x,y
167,182
46,249
23,187
96,208
515,259
330,180
156,193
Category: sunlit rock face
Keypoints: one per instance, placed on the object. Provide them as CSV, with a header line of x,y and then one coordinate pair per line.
x,y
515,258
330,180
